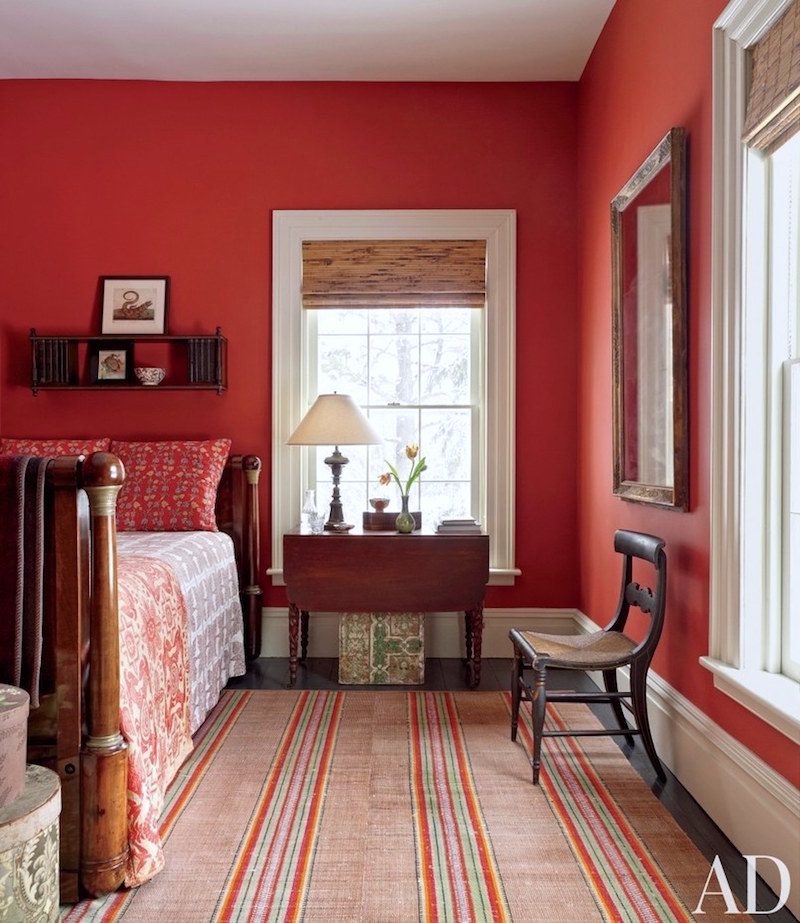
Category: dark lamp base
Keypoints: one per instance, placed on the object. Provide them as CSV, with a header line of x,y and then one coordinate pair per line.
x,y
338,526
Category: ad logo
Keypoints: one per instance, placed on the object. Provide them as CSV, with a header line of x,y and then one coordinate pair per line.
x,y
727,895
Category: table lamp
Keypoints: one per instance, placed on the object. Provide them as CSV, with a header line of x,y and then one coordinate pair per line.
x,y
335,419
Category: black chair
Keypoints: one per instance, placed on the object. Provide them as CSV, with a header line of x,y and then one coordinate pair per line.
x,y
604,650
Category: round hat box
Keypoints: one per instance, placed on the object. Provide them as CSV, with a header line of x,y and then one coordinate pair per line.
x,y
14,707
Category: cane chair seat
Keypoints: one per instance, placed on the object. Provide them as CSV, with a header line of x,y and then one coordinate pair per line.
x,y
595,650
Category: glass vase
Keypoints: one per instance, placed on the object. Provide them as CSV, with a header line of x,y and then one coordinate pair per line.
x,y
309,507
405,521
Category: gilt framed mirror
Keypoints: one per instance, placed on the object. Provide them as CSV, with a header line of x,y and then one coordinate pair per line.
x,y
648,228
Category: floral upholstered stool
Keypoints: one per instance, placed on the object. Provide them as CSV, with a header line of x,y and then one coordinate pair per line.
x,y
29,850
382,648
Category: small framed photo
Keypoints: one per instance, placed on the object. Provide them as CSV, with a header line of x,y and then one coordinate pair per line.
x,y
135,304
111,362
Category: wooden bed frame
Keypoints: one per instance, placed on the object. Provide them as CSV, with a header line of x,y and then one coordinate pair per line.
x,y
75,731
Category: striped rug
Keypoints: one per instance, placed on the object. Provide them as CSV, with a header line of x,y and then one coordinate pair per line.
x,y
458,875
392,807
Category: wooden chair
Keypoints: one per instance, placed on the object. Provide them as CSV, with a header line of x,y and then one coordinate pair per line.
x,y
604,650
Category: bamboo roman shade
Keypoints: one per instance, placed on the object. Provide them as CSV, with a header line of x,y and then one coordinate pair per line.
x,y
773,104
394,273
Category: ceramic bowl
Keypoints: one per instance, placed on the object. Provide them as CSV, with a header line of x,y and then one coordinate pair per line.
x,y
150,375
379,504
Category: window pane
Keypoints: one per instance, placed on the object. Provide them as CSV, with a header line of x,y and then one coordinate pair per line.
x,y
446,443
790,660
447,320
394,321
338,322
342,366
782,328
394,369
445,369
445,501
398,428
411,357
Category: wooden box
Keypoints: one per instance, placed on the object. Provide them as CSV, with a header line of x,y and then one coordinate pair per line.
x,y
382,648
385,521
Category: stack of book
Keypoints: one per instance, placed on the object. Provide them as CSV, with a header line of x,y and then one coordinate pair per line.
x,y
459,527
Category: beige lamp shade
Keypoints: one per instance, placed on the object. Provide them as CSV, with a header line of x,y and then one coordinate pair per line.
x,y
334,419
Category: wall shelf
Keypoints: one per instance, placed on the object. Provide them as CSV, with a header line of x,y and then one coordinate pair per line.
x,y
196,362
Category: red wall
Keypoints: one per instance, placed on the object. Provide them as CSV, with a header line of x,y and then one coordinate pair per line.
x,y
651,70
113,178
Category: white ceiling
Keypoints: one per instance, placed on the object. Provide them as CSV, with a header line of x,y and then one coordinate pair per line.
x,y
299,39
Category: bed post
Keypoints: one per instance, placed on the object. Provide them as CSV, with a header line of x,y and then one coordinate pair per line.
x,y
104,833
55,734
251,555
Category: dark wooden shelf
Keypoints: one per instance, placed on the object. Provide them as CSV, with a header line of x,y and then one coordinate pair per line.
x,y
56,363
105,387
126,337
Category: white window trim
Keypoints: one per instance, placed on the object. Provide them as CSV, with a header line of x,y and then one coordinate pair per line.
x,y
772,697
498,228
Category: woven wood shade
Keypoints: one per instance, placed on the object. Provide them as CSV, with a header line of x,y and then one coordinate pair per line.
x,y
394,273
773,104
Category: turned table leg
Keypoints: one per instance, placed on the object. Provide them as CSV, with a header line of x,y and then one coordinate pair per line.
x,y
303,635
475,618
294,625
468,637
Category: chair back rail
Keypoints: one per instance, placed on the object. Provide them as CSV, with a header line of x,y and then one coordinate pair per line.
x,y
652,602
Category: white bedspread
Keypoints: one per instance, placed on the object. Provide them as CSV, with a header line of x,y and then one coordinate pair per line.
x,y
205,567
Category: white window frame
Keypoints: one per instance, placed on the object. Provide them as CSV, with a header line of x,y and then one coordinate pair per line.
x,y
290,398
736,295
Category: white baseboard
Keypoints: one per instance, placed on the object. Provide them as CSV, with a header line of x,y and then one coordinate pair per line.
x,y
444,631
756,807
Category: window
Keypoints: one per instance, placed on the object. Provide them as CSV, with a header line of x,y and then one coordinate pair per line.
x,y
439,376
790,638
784,247
755,581
770,321
416,372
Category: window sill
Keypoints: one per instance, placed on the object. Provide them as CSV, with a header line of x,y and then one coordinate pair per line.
x,y
498,576
773,697
503,576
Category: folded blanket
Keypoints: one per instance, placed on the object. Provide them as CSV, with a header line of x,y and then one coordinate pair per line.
x,y
22,494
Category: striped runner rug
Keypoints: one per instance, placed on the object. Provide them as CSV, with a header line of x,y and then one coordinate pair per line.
x,y
391,807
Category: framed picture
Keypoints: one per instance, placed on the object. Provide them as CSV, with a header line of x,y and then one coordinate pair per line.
x,y
111,362
135,304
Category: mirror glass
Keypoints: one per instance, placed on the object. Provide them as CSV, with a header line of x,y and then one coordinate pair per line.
x,y
650,432
647,334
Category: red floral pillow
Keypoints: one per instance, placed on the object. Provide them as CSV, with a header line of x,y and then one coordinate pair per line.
x,y
170,486
55,447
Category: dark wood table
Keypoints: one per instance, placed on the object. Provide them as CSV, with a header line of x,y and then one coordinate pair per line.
x,y
385,572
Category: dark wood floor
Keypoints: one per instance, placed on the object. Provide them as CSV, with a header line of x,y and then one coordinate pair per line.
x,y
448,674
